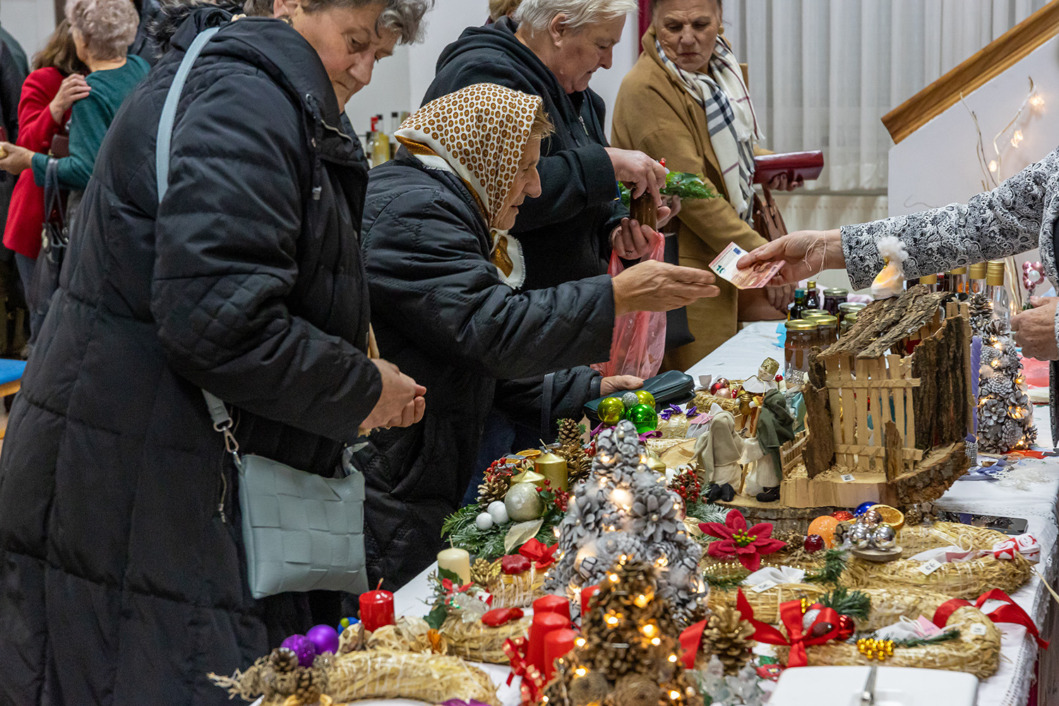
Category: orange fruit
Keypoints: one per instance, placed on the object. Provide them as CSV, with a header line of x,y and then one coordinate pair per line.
x,y
825,527
890,516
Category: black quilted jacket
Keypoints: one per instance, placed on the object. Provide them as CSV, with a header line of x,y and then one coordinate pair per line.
x,y
121,569
443,316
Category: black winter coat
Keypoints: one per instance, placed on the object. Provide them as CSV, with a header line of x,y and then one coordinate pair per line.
x,y
444,317
122,579
565,232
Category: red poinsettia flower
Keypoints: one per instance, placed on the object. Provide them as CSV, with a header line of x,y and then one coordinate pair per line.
x,y
734,540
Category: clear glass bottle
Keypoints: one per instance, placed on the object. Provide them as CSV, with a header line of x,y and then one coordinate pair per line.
x,y
801,337
931,281
848,322
976,278
996,292
958,280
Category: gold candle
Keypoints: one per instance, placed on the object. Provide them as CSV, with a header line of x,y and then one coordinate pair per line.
x,y
554,469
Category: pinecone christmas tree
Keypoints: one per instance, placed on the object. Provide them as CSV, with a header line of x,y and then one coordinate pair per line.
x,y
727,636
578,464
625,510
1005,414
629,653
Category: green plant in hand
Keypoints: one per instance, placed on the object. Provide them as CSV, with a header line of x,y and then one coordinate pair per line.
x,y
683,184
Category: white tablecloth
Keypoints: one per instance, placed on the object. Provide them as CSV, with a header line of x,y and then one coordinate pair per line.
x,y
739,358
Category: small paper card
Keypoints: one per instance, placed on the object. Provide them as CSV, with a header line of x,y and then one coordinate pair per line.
x,y
848,478
764,586
754,277
925,628
929,567
978,629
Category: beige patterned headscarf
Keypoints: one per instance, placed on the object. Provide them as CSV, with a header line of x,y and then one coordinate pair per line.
x,y
478,133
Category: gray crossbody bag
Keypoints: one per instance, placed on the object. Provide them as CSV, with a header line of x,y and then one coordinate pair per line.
x,y
301,531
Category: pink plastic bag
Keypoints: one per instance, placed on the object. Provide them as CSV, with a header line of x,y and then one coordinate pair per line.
x,y
640,337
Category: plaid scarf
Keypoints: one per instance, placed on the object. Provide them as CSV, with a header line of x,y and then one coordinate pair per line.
x,y
730,120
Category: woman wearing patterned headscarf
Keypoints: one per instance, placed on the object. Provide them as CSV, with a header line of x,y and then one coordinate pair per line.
x,y
686,101
443,271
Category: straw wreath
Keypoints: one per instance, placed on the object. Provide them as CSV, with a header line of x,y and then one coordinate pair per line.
x,y
961,579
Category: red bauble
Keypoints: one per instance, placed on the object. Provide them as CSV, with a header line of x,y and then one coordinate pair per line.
x,y
814,543
846,627
842,515
779,378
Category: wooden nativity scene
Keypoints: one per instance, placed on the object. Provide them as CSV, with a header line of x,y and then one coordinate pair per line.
x,y
888,411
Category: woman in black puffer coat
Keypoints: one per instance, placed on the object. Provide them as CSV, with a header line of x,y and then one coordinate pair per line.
x,y
444,269
122,576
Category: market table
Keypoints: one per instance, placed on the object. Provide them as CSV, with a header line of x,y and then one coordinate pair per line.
x,y
1030,492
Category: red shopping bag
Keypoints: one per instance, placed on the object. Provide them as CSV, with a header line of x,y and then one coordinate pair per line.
x,y
639,340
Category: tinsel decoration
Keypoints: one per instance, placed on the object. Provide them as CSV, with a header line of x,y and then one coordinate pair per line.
x,y
578,464
629,652
728,637
625,510
1005,414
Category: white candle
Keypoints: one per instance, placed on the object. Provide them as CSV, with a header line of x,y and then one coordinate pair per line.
x,y
458,561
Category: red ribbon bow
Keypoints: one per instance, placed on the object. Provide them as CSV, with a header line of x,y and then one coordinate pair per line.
x,y
791,616
543,555
532,679
1009,613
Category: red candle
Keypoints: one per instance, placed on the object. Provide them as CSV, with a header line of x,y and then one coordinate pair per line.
x,y
556,645
542,625
552,604
376,609
586,597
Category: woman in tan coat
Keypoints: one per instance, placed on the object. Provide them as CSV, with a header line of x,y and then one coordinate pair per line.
x,y
686,101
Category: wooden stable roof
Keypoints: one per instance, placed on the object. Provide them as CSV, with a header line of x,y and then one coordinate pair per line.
x,y
883,324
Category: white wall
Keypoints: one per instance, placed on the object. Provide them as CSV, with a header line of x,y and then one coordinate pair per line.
x,y
29,21
937,165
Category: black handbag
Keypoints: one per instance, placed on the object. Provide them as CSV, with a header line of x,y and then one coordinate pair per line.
x,y
672,387
55,237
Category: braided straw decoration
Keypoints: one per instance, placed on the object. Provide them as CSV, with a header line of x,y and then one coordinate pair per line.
x,y
480,643
975,654
961,579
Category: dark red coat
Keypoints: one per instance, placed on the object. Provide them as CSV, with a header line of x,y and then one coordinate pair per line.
x,y
36,128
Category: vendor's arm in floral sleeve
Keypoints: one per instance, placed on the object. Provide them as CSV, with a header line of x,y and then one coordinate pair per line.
x,y
714,220
992,225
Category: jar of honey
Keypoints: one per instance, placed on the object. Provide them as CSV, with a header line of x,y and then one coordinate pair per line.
x,y
801,337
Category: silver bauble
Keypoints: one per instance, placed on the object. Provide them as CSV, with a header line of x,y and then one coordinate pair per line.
x,y
842,530
523,503
860,536
884,537
630,400
871,518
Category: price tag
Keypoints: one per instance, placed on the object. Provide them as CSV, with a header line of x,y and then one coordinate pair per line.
x,y
978,629
848,478
929,567
764,586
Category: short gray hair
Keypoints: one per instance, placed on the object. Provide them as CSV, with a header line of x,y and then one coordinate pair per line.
x,y
404,17
107,27
538,14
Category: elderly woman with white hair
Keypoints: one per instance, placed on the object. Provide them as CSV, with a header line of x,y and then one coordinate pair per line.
x,y
102,31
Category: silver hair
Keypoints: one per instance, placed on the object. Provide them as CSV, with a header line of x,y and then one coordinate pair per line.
x,y
538,14
404,17
107,27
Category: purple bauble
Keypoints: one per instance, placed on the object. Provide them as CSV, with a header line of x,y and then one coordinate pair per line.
x,y
303,647
324,637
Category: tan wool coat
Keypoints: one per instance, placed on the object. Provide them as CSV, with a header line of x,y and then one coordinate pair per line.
x,y
656,115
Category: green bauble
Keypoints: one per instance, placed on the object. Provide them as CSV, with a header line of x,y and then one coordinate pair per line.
x,y
645,397
610,410
644,417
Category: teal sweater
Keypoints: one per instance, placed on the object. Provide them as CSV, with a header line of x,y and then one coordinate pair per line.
x,y
89,120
